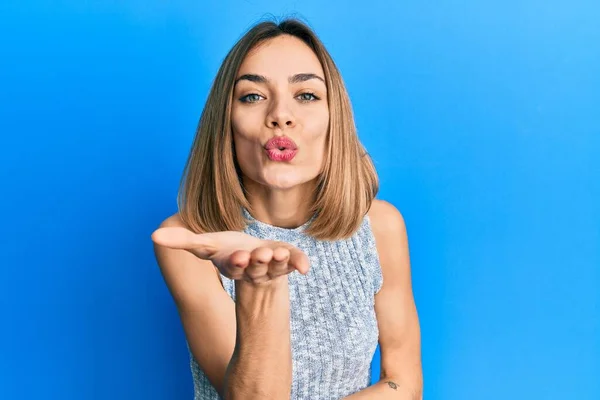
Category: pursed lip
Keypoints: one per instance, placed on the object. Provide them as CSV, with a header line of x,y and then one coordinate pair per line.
x,y
280,142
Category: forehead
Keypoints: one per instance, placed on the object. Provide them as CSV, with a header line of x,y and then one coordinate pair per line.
x,y
281,56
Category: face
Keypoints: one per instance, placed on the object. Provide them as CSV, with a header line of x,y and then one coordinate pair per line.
x,y
280,93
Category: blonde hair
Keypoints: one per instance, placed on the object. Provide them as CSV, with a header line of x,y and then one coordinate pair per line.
x,y
211,195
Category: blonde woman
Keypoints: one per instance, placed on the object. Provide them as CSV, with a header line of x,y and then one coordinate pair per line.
x,y
285,270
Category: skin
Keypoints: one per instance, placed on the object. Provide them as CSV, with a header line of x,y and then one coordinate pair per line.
x,y
279,193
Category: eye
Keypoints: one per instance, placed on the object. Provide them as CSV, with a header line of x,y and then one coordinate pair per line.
x,y
307,97
250,98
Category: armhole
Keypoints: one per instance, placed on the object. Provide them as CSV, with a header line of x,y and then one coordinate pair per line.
x,y
372,256
219,277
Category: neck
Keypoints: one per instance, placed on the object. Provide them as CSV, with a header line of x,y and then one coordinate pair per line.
x,y
285,208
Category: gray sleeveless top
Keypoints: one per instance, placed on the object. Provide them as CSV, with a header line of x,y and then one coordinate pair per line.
x,y
333,326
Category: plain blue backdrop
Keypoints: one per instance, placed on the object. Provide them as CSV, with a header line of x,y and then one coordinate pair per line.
x,y
483,119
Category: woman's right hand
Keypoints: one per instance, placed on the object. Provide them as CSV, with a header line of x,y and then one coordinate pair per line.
x,y
237,255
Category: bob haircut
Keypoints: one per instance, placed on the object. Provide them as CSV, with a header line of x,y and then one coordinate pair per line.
x,y
211,193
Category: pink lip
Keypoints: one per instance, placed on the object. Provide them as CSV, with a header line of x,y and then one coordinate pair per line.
x,y
281,155
281,148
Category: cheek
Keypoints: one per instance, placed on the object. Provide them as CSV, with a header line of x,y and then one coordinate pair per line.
x,y
239,124
316,129
245,131
247,121
249,160
245,152
315,144
315,124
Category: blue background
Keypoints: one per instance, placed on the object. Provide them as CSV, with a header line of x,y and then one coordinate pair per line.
x,y
483,119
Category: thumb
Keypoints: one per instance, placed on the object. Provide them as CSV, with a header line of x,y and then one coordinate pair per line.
x,y
182,238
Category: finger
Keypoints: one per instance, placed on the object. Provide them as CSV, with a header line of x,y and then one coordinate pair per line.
x,y
279,263
299,261
238,262
259,263
240,258
200,245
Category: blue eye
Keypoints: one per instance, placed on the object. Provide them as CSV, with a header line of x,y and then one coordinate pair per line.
x,y
250,98
307,97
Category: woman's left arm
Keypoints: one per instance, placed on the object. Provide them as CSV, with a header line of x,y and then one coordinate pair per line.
x,y
399,333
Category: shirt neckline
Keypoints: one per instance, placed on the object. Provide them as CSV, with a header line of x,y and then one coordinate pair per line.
x,y
263,225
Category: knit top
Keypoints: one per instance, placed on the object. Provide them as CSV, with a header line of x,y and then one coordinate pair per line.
x,y
333,325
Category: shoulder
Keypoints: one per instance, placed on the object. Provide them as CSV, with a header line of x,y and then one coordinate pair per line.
x,y
173,221
386,221
391,240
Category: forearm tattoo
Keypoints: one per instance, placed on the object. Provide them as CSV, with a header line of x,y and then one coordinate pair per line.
x,y
392,385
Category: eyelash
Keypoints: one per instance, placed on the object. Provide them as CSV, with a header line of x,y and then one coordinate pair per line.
x,y
244,99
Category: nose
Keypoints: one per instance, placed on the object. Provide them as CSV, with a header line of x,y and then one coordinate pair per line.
x,y
280,116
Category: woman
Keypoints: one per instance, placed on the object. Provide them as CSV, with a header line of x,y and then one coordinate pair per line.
x,y
284,269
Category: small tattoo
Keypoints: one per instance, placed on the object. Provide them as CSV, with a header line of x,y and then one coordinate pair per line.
x,y
392,385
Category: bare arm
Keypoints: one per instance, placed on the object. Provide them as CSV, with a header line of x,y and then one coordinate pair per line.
x,y
261,366
241,346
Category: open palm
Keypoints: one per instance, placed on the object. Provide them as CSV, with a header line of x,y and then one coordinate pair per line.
x,y
237,255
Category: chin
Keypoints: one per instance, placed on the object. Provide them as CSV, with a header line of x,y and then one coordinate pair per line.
x,y
284,181
283,184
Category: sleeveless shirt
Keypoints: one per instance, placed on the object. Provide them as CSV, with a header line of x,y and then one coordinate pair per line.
x,y
333,326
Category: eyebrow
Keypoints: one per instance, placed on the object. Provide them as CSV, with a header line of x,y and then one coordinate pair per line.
x,y
292,79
